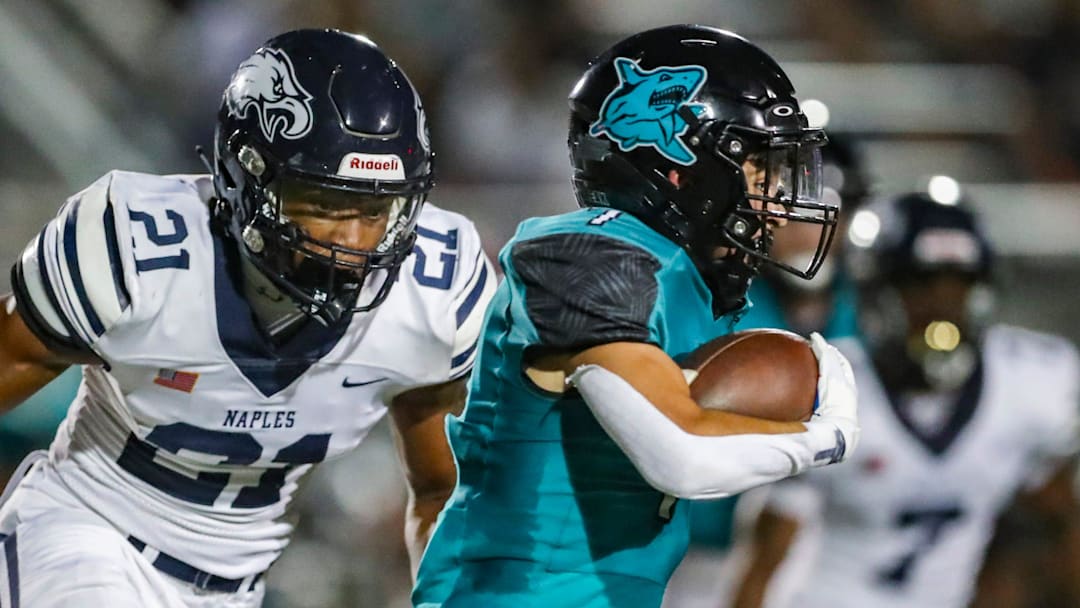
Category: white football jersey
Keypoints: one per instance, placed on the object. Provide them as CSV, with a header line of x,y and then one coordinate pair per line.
x,y
195,433
906,521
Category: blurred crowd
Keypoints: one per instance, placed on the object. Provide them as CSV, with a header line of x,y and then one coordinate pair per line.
x,y
495,76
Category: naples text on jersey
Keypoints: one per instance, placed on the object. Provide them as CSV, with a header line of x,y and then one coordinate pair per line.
x,y
237,329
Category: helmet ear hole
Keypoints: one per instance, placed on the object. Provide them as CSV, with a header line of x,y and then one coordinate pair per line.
x,y
679,179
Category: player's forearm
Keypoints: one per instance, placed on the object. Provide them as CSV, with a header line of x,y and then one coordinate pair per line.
x,y
666,386
751,591
18,381
717,423
773,536
1065,544
420,520
25,364
694,466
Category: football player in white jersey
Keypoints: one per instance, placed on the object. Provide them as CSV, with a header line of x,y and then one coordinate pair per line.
x,y
959,419
234,330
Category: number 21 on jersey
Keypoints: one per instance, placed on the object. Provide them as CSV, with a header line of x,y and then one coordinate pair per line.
x,y
219,449
157,242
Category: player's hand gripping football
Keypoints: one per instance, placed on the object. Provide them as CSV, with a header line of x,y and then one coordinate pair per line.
x,y
837,398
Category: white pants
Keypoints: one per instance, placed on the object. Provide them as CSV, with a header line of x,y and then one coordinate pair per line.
x,y
58,555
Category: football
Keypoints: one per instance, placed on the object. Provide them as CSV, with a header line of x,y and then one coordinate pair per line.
x,y
767,373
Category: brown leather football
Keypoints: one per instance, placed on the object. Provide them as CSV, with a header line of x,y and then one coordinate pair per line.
x,y
767,373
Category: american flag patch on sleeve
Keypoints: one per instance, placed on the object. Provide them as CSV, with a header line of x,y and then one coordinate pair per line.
x,y
181,381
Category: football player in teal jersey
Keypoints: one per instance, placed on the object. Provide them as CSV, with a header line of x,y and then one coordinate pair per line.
x,y
580,436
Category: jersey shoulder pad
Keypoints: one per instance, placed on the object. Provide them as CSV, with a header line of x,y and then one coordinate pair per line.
x,y
78,278
1041,371
583,288
611,223
1026,351
452,270
165,224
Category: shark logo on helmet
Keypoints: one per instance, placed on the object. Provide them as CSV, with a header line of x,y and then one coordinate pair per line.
x,y
266,84
643,109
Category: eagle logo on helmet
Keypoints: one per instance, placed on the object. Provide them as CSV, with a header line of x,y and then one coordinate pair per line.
x,y
643,109
266,84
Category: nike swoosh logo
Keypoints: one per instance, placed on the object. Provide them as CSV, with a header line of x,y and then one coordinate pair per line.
x,y
345,383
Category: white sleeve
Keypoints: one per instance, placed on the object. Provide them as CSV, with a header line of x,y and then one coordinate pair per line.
x,y
695,466
1059,434
469,308
69,281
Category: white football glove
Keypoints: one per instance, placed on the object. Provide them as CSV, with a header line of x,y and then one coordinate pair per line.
x,y
837,399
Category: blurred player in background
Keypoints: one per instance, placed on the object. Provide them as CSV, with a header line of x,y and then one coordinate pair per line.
x,y
689,149
959,418
825,304
235,329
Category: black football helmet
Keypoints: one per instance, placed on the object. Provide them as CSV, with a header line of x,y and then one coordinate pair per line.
x,y
845,182
323,112
663,126
901,248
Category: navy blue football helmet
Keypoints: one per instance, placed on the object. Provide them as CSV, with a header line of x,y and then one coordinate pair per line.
x,y
903,238
666,124
925,272
328,112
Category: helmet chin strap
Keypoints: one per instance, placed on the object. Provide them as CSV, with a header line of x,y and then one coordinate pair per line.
x,y
728,279
320,281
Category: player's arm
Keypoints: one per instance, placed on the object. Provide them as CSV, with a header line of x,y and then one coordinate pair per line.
x,y
591,299
665,387
1056,504
773,535
1046,513
1051,516
692,452
418,419
26,364
419,415
789,505
68,289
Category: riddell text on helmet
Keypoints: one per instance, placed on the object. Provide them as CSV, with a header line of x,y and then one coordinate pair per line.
x,y
371,166
374,165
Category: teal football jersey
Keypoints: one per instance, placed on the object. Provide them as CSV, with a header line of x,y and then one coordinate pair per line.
x,y
548,511
766,310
